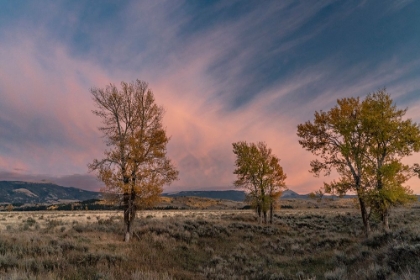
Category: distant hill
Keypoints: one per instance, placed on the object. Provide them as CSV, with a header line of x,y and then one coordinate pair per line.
x,y
289,194
17,192
229,195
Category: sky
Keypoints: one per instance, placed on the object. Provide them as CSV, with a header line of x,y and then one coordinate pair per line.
x,y
225,71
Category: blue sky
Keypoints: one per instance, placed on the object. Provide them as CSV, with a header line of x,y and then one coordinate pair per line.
x,y
225,71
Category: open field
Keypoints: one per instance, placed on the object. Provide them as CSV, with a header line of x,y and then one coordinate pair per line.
x,y
323,242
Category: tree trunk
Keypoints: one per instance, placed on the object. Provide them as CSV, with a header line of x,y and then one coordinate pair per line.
x,y
385,220
385,210
127,236
265,216
365,218
127,218
129,215
271,212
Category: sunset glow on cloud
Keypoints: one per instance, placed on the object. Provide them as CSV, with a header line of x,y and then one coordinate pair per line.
x,y
224,71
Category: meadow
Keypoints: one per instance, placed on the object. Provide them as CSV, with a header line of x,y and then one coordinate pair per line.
x,y
316,241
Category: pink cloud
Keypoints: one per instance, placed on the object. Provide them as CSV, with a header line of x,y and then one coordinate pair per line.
x,y
49,108
202,135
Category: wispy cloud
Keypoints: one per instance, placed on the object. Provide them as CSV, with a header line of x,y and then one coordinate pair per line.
x,y
225,72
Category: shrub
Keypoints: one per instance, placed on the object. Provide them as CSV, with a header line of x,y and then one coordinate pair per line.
x,y
30,221
340,273
404,257
150,275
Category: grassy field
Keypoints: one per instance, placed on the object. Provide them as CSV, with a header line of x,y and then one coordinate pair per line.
x,y
324,241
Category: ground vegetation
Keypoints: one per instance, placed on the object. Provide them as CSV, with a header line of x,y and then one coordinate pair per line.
x,y
302,243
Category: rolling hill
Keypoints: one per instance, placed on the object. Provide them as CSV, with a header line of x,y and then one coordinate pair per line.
x,y
47,193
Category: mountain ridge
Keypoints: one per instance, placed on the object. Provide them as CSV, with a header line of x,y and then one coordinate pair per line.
x,y
19,192
234,195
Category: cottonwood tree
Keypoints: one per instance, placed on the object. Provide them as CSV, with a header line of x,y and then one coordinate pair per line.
x,y
259,172
338,139
135,165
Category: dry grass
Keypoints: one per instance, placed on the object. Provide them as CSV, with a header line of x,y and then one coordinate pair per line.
x,y
303,243
198,203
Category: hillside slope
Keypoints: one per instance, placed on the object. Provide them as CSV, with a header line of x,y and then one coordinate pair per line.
x,y
28,192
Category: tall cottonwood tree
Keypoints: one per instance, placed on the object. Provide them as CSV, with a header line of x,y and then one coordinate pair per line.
x,y
337,138
259,172
135,166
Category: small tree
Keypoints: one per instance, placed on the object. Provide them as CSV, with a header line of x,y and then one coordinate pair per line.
x,y
260,173
9,207
318,195
135,166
